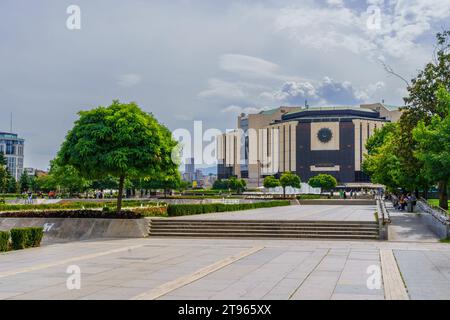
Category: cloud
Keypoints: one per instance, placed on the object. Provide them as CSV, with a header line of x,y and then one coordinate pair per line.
x,y
238,109
247,65
327,91
129,80
336,26
221,88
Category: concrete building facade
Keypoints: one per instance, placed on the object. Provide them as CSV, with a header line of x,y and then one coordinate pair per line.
x,y
12,148
307,141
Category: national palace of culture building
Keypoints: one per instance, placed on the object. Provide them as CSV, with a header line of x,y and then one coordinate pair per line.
x,y
306,141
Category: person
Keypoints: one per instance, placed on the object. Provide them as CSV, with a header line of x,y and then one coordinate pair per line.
x,y
345,194
30,197
402,202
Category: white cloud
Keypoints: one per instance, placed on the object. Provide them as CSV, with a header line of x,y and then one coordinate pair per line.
x,y
234,109
221,88
328,91
247,65
129,80
402,23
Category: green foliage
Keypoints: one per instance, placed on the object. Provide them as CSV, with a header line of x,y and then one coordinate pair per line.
x,y
34,236
24,182
233,184
191,209
73,205
19,238
289,179
433,146
22,238
271,182
120,141
324,181
4,241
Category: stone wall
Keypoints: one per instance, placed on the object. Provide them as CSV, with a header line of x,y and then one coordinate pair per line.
x,y
438,222
70,229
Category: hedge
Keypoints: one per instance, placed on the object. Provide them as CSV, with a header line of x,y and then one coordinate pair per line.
x,y
4,241
73,205
175,210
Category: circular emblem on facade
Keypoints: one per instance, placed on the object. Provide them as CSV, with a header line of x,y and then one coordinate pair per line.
x,y
324,135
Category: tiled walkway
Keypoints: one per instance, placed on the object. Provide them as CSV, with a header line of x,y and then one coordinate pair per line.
x,y
299,212
242,269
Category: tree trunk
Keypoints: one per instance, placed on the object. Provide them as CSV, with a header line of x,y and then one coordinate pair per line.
x,y
443,195
120,195
284,192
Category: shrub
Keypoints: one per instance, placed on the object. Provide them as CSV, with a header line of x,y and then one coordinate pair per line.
x,y
190,209
35,235
4,241
19,238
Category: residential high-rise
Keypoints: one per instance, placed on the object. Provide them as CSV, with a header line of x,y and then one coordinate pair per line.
x,y
13,149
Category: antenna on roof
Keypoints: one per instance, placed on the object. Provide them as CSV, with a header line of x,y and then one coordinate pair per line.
x,y
11,123
382,101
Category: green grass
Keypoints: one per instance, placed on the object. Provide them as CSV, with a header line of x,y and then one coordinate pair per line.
x,y
445,240
435,202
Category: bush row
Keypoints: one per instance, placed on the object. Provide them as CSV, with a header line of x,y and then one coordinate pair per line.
x,y
190,209
73,205
21,238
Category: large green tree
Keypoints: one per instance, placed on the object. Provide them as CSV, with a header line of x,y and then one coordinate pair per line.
x,y
421,105
120,140
289,179
433,146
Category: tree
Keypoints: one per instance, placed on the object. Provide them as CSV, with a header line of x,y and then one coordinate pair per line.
x,y
433,146
66,178
24,182
237,185
271,182
4,175
289,179
421,105
120,140
323,181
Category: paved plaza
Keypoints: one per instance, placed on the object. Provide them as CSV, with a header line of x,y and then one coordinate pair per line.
x,y
308,212
413,266
227,269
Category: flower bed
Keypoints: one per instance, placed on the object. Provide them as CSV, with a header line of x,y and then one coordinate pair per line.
x,y
74,205
135,213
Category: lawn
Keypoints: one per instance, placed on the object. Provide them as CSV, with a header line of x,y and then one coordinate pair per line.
x,y
435,202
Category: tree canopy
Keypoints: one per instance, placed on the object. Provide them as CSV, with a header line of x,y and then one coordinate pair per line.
x,y
289,179
121,141
271,182
324,181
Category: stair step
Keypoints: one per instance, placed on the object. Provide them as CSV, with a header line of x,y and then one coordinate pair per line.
x,y
265,231
256,227
268,235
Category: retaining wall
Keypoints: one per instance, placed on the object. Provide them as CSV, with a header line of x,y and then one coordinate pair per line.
x,y
74,229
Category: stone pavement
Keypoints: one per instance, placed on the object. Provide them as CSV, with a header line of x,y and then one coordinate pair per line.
x,y
224,269
297,212
406,226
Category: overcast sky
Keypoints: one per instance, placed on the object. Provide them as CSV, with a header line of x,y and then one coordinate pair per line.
x,y
204,60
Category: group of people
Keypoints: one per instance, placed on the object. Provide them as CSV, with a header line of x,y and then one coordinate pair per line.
x,y
404,200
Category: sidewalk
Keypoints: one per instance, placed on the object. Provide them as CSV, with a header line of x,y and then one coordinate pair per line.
x,y
408,226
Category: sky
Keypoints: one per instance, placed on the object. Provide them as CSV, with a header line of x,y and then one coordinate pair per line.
x,y
204,60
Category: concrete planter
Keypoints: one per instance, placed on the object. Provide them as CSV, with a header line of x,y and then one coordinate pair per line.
x,y
73,229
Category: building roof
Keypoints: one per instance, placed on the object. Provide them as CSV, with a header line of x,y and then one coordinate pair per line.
x,y
338,111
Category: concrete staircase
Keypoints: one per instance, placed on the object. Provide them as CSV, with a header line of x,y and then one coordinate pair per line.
x,y
264,229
